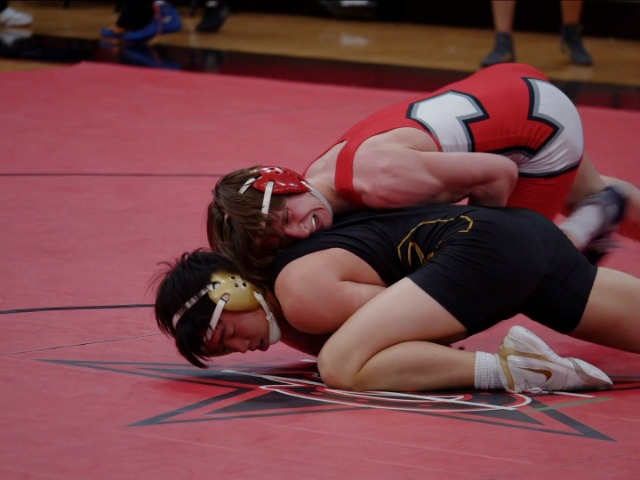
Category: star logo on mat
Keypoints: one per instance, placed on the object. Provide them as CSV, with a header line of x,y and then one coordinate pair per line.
x,y
239,392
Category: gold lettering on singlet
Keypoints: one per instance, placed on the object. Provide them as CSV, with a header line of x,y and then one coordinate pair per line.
x,y
412,250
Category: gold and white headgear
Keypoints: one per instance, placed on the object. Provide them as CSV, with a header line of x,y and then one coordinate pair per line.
x,y
230,291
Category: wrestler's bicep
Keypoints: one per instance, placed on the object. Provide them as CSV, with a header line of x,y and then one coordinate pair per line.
x,y
485,177
320,291
406,176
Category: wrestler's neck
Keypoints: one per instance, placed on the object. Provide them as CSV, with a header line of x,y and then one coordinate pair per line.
x,y
324,184
320,175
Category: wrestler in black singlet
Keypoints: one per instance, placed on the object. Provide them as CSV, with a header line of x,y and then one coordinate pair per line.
x,y
483,265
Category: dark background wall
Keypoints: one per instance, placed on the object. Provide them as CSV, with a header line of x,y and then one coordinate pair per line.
x,y
610,18
601,18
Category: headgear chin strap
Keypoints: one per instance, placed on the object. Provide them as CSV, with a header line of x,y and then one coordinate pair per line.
x,y
230,291
280,181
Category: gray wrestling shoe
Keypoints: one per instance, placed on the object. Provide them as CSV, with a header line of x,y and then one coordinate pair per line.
x,y
529,365
613,203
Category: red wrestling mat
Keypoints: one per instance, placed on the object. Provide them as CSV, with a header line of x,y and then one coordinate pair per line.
x,y
105,171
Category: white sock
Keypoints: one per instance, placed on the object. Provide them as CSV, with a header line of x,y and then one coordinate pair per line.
x,y
583,225
488,372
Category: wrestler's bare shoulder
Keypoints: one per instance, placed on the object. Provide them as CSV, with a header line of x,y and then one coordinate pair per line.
x,y
398,138
404,137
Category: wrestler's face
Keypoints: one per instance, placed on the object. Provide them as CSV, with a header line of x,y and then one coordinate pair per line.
x,y
239,332
303,215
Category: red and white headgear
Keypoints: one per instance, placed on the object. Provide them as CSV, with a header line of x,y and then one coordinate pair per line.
x,y
280,181
230,291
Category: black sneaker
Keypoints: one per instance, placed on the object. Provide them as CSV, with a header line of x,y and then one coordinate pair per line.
x,y
571,41
351,9
214,17
503,52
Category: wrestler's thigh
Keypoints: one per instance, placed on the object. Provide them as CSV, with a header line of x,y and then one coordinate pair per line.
x,y
403,312
611,315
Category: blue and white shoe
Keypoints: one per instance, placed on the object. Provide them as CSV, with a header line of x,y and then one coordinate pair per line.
x,y
111,33
167,20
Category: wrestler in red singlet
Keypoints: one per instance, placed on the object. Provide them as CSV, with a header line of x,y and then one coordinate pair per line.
x,y
509,109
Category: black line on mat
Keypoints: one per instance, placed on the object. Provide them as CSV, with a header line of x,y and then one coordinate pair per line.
x,y
87,307
41,174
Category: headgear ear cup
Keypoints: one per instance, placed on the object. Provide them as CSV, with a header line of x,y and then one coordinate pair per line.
x,y
231,291
241,297
280,181
284,180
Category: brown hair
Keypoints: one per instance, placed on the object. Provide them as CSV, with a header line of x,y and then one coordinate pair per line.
x,y
237,228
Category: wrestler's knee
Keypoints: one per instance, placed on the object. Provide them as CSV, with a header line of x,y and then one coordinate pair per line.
x,y
335,372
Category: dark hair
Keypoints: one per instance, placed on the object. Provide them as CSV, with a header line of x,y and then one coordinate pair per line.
x,y
237,228
184,278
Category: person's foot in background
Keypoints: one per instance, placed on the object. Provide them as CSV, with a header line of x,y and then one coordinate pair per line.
x,y
165,19
571,41
214,17
351,9
10,17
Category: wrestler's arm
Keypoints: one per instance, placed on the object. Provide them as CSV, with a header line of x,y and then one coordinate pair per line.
x,y
400,176
320,291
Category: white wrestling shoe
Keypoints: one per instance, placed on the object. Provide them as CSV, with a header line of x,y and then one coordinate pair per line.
x,y
529,365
